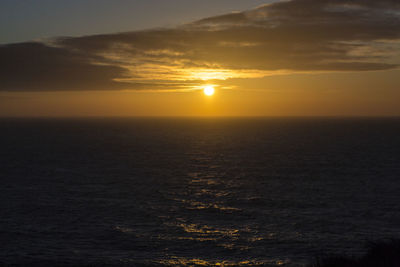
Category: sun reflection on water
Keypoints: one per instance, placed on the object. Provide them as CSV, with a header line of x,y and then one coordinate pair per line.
x,y
178,261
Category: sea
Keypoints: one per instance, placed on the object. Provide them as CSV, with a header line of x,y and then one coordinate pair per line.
x,y
195,191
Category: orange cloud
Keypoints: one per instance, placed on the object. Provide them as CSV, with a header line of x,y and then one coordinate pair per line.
x,y
283,37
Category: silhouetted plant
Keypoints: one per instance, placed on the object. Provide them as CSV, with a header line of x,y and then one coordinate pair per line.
x,y
379,254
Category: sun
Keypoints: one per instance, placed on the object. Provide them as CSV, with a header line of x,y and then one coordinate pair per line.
x,y
209,90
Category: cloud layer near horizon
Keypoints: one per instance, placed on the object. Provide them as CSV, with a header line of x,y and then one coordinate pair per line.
x,y
283,37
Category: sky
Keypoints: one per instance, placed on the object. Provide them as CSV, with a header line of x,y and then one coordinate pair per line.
x,y
153,58
25,20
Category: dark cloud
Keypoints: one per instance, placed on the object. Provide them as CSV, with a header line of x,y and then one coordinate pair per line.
x,y
37,67
290,36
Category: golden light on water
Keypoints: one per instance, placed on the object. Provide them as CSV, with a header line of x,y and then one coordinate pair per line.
x,y
209,90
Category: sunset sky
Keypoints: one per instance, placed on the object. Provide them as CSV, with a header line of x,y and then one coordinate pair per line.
x,y
154,58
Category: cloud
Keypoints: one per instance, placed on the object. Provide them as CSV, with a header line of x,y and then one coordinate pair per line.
x,y
37,67
283,37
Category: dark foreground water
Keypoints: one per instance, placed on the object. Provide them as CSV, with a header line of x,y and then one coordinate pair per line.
x,y
113,192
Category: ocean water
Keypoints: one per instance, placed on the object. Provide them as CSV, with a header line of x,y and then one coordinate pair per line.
x,y
163,192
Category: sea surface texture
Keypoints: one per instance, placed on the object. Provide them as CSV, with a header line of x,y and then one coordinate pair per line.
x,y
145,192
